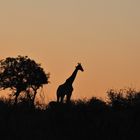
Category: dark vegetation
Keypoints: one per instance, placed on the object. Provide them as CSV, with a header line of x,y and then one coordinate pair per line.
x,y
118,118
21,74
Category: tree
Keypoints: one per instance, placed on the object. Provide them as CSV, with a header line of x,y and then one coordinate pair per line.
x,y
21,74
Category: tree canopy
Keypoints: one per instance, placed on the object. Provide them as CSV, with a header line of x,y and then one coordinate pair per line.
x,y
21,74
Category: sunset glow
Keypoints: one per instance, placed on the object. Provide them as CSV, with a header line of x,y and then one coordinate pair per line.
x,y
103,35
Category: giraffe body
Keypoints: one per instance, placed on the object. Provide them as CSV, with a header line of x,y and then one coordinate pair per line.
x,y
66,89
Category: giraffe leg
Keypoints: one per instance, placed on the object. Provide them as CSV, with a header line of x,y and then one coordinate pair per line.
x,y
62,98
58,98
68,98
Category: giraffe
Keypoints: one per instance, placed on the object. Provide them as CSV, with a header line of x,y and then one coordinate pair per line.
x,y
66,89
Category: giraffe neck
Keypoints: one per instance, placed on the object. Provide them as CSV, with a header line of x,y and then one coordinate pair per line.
x,y
72,77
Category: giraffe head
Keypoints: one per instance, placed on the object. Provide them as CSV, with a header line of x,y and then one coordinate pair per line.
x,y
79,67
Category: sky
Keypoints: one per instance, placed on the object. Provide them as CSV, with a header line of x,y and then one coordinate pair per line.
x,y
101,34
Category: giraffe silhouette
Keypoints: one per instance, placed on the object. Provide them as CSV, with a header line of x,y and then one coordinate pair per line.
x,y
66,89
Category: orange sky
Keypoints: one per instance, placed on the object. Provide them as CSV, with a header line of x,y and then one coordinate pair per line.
x,y
101,34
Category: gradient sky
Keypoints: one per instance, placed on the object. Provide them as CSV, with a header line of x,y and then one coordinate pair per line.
x,y
104,35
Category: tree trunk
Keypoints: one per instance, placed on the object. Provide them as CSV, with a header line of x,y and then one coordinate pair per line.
x,y
16,98
35,92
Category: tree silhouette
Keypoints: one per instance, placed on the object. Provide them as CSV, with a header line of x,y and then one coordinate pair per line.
x,y
21,74
123,98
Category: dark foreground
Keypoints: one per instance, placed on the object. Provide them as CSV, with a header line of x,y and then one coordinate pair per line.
x,y
89,120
